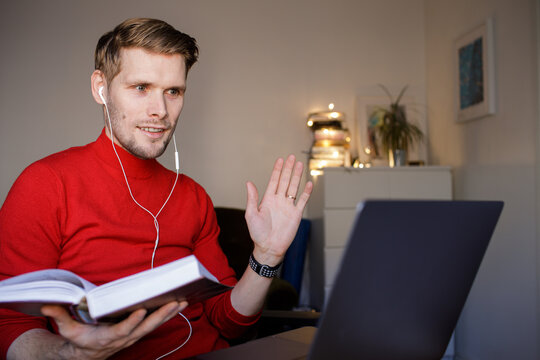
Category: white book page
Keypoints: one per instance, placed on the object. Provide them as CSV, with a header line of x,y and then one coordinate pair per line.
x,y
28,292
42,291
50,274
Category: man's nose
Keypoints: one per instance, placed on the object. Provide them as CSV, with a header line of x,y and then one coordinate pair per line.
x,y
157,108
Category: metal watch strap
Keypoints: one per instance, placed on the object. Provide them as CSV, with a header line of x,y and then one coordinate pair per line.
x,y
263,270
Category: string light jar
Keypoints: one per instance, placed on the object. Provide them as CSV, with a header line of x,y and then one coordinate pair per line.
x,y
331,141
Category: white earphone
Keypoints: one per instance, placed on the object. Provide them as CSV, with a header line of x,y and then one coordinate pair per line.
x,y
156,223
100,92
176,158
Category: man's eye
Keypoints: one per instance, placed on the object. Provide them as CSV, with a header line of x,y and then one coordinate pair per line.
x,y
174,92
140,87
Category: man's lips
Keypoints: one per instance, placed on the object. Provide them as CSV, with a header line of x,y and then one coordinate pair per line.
x,y
152,129
153,132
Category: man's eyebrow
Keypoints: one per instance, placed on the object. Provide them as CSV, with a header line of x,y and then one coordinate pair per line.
x,y
136,81
179,87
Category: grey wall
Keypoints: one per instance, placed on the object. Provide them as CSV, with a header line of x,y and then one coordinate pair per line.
x,y
493,158
264,65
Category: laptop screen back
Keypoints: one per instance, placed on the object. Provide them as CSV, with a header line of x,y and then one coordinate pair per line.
x,y
404,278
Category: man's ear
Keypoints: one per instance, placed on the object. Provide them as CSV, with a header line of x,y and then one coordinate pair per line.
x,y
97,81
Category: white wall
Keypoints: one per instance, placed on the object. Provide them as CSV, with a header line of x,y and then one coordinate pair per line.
x,y
264,65
493,158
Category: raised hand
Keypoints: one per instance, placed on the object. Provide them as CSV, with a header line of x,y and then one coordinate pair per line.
x,y
274,222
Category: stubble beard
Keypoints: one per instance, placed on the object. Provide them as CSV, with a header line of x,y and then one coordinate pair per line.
x,y
128,141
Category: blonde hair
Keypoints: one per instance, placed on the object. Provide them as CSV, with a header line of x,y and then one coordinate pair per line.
x,y
150,34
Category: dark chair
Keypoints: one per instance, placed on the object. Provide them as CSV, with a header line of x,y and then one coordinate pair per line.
x,y
237,245
283,295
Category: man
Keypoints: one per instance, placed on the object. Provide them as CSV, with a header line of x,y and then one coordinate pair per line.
x,y
109,209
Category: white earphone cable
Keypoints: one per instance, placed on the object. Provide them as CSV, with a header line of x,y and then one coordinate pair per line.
x,y
184,343
156,223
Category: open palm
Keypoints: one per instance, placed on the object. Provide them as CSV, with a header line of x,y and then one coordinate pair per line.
x,y
274,222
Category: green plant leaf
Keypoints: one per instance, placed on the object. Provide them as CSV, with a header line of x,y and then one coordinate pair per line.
x,y
393,129
401,94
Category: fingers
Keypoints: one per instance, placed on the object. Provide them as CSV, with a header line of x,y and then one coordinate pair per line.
x,y
272,187
127,326
136,330
155,319
285,177
183,305
304,197
284,182
292,190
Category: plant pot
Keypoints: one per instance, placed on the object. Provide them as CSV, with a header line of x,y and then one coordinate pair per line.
x,y
397,157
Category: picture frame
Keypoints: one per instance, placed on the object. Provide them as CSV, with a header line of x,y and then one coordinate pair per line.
x,y
363,136
475,73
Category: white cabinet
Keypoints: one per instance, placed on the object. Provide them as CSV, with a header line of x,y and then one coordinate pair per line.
x,y
333,204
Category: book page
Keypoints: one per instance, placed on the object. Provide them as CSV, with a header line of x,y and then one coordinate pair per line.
x,y
27,293
50,274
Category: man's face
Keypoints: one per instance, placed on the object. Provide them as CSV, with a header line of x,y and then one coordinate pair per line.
x,y
145,100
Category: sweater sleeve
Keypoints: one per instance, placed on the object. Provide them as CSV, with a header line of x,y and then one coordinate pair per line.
x,y
29,239
219,309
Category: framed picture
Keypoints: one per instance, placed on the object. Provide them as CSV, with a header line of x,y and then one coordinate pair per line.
x,y
366,143
475,73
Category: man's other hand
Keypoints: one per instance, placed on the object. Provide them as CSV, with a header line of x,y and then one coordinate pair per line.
x,y
103,340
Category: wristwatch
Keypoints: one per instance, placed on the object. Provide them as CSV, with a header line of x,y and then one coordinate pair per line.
x,y
263,270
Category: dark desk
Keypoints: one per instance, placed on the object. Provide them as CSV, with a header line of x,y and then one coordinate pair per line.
x,y
289,345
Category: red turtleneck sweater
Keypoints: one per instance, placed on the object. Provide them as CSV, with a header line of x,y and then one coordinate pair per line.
x,y
72,210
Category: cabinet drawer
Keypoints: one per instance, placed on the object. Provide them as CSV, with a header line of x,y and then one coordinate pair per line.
x,y
434,185
345,189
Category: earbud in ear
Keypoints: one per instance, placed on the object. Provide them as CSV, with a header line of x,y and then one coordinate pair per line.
x,y
100,92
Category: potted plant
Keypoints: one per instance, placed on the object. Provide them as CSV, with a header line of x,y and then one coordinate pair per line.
x,y
393,129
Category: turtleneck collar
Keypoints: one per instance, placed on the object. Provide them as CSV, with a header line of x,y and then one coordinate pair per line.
x,y
133,166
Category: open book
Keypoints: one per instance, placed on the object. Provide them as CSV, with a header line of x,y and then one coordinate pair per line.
x,y
183,279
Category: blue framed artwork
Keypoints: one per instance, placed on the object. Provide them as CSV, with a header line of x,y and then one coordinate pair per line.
x,y
475,73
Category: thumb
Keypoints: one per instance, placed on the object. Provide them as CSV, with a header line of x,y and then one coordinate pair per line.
x,y
252,197
58,313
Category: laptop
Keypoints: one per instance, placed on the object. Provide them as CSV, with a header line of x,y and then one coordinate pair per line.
x,y
402,283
